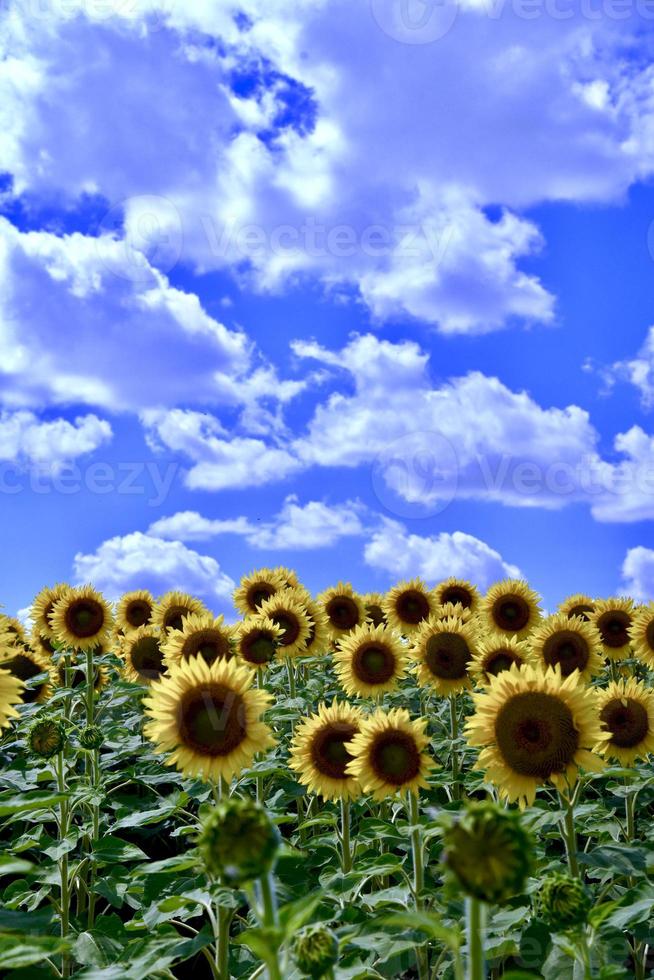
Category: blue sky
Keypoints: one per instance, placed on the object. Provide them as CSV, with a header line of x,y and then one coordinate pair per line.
x,y
313,283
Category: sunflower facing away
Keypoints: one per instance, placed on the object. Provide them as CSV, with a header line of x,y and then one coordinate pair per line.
x,y
255,588
408,604
458,591
207,716
257,639
81,619
497,652
569,642
390,754
370,661
27,665
11,694
43,606
134,610
287,609
200,636
142,655
343,608
320,635
641,634
511,607
443,649
172,609
614,618
533,727
626,711
319,754
578,605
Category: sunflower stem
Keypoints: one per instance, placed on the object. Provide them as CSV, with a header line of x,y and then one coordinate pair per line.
x,y
270,920
64,814
475,915
346,851
223,921
454,733
417,855
290,670
570,834
630,814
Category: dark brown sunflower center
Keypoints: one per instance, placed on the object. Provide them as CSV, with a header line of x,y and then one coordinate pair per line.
x,y
613,626
211,719
375,614
394,757
566,649
373,663
536,735
456,593
258,647
147,658
84,618
628,723
290,626
77,676
328,752
581,610
412,607
649,635
447,655
46,644
138,613
511,613
209,644
343,612
25,669
174,617
500,660
258,593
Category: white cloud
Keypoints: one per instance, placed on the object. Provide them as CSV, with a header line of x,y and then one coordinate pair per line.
x,y
296,527
639,371
393,549
638,574
26,439
137,561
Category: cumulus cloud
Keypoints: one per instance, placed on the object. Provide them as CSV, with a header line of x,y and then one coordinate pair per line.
x,y
25,439
638,371
297,527
402,554
638,574
137,561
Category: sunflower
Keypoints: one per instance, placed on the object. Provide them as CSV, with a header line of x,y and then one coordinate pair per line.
x,y
77,674
208,717
641,633
457,610
569,642
200,636
320,635
495,653
389,754
256,587
172,608
626,711
30,667
578,605
288,577
43,607
511,607
343,608
613,618
142,655
319,753
13,628
369,661
408,604
81,619
534,726
443,649
458,591
42,643
288,611
373,603
257,639
134,610
11,694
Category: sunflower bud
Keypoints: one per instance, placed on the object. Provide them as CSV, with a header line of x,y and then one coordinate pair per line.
x,y
238,841
47,737
315,950
91,738
488,853
563,902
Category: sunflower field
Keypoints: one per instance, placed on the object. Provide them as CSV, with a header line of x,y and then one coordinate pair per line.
x,y
431,783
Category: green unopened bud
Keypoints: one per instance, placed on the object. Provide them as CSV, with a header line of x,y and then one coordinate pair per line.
x,y
563,902
238,841
316,951
488,853
47,737
91,737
